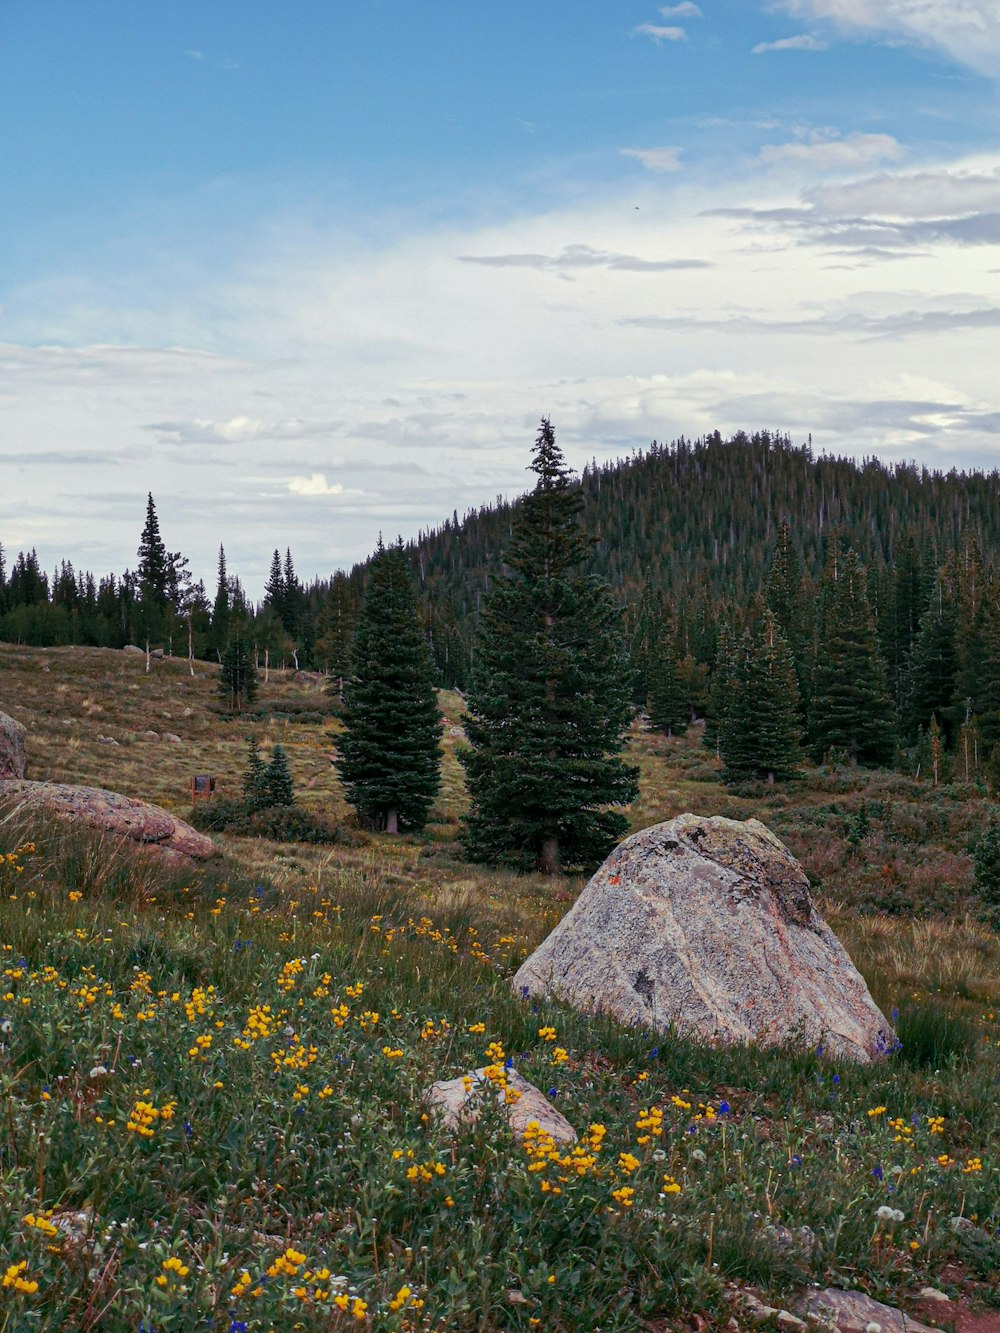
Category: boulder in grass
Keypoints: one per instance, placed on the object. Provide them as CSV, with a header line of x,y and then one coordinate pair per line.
x,y
458,1100
854,1312
706,927
147,827
13,753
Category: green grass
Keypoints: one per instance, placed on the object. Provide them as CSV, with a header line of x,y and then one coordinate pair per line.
x,y
303,1138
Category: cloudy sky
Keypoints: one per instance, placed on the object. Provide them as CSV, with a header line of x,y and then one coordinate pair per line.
x,y
312,270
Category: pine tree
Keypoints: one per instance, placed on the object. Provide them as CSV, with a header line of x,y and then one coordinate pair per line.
x,y
153,575
276,783
928,688
720,692
550,696
759,737
851,709
220,609
274,587
390,756
666,703
254,792
237,676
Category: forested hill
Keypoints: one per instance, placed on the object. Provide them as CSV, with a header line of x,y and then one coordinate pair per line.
x,y
701,519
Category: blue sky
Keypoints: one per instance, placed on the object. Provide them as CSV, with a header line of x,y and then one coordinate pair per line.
x,y
313,271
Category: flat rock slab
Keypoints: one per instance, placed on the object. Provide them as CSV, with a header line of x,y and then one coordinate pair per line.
x,y
148,826
853,1312
13,751
707,927
458,1100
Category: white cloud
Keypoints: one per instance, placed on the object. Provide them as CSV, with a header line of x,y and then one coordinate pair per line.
x,y
966,30
920,194
314,485
655,159
857,150
416,381
685,10
195,55
803,42
659,34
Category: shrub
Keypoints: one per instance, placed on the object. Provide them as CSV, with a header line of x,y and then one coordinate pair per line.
x,y
986,868
931,1036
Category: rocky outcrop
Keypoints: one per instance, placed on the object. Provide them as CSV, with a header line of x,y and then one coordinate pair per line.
x,y
13,754
459,1100
147,826
707,927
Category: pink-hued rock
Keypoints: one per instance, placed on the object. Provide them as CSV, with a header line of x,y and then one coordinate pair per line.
x,y
148,826
13,755
707,927
462,1099
854,1312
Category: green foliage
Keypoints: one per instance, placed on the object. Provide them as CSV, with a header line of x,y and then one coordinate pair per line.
x,y
237,676
930,1035
253,783
276,782
986,867
850,708
666,703
550,697
296,1132
758,736
389,754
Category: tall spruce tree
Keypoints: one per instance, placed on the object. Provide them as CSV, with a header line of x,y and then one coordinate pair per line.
x,y
550,696
850,707
153,576
666,701
759,736
390,757
237,675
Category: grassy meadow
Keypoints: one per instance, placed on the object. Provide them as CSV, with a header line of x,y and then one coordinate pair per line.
x,y
212,1083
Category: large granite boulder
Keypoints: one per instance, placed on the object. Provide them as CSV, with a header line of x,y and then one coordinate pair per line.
x,y
13,755
146,826
707,927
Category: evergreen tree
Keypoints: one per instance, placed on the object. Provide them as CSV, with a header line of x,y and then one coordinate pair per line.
x,y
390,755
274,587
759,737
220,609
277,779
237,676
666,703
786,600
850,706
720,691
929,677
254,788
153,574
550,696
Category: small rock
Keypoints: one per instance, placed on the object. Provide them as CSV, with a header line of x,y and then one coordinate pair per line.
x,y
133,648
171,738
187,712
106,740
756,1309
961,1224
157,652
785,1319
785,1238
854,1312
517,1297
461,1099
148,735
932,1294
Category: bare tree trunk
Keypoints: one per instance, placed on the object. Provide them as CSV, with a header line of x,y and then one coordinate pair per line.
x,y
190,646
267,663
548,861
392,822
147,657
